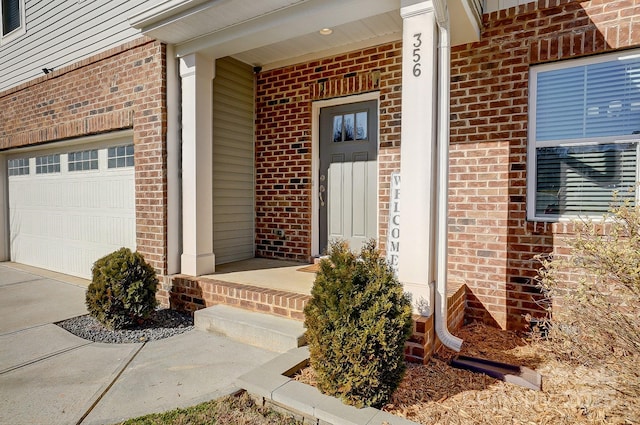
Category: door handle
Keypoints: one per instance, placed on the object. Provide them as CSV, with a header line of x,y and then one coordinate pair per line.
x,y
321,190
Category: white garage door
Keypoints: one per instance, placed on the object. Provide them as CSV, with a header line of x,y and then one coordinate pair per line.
x,y
68,207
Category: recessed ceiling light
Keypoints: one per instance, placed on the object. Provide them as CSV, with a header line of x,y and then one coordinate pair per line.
x,y
326,31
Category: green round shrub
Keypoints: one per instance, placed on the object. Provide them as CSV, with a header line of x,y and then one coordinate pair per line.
x,y
123,289
357,321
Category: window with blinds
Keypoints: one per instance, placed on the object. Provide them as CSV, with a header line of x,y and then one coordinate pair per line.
x,y
11,15
583,137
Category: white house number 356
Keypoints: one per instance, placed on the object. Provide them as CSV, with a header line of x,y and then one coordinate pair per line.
x,y
416,54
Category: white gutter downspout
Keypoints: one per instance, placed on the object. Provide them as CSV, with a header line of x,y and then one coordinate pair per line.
x,y
444,77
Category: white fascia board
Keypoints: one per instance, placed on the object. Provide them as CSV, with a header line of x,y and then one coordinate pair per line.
x,y
163,21
152,17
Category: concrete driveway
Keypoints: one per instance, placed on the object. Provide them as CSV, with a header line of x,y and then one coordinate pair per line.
x,y
49,376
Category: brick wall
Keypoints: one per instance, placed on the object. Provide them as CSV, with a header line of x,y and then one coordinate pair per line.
x,y
423,341
492,245
122,88
190,294
283,140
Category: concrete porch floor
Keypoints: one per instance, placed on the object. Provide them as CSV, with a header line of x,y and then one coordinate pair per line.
x,y
267,273
260,272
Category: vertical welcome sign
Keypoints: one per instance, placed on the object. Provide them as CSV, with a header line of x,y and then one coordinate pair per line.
x,y
393,234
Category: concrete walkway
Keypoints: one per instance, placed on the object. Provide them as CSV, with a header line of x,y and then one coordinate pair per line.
x,y
49,376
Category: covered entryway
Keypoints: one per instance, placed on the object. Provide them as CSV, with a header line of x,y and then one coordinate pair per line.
x,y
348,173
308,57
302,53
69,206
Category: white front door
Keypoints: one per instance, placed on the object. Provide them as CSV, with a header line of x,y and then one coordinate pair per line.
x,y
348,173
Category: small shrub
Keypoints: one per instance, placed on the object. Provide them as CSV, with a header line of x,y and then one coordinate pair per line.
x,y
357,321
596,295
123,289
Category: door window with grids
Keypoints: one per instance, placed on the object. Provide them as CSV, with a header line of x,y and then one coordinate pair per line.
x,y
584,129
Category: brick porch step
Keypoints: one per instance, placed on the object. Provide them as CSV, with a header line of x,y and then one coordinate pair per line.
x,y
258,329
188,293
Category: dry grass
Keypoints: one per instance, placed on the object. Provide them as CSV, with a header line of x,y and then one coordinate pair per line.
x,y
237,409
592,293
438,393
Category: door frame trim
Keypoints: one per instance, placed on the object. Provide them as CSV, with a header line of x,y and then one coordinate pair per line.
x,y
315,159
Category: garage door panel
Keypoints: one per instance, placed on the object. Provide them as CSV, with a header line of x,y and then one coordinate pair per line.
x,y
65,221
55,226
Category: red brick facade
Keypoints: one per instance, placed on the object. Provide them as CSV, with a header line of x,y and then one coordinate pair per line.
x,y
492,245
122,88
283,140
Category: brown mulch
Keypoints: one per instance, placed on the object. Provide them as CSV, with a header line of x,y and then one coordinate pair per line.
x,y
436,393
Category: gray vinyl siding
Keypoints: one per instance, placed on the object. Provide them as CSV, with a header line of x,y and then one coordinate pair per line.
x,y
233,162
61,32
494,5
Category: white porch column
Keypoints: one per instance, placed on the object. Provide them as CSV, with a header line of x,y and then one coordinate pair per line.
x,y
416,268
197,73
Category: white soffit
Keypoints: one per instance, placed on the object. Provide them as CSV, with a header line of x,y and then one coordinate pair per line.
x,y
276,33
348,37
269,31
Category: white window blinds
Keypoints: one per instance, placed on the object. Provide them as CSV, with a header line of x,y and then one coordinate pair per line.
x,y
580,180
585,133
596,100
10,16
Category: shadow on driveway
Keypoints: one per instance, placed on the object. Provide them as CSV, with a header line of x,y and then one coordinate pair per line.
x,y
48,376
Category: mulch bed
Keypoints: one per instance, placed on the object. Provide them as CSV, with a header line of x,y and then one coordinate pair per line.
x,y
437,393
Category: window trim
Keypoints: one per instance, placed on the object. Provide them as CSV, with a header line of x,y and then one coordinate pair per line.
x,y
25,165
75,162
125,157
43,169
531,140
21,30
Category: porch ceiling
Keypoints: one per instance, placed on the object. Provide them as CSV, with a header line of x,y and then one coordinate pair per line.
x,y
277,32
